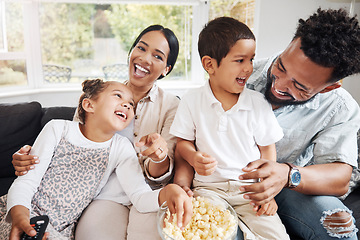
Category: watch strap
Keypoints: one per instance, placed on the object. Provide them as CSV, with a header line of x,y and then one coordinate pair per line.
x,y
292,167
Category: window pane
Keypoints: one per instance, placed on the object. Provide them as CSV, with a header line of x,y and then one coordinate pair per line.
x,y
88,37
14,27
13,73
243,10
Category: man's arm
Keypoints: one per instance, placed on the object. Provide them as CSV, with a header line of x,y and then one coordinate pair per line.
x,y
315,179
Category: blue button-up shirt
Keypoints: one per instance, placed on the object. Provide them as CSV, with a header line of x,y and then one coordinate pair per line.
x,y
323,130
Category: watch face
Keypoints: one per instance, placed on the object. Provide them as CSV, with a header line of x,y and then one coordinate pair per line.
x,y
295,178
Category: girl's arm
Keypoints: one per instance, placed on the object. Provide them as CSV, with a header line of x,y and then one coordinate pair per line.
x,y
23,188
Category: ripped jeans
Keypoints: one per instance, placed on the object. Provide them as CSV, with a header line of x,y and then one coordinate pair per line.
x,y
315,217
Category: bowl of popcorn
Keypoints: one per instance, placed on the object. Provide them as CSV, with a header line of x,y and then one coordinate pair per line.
x,y
213,218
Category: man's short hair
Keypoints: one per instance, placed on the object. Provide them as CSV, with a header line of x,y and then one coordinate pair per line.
x,y
331,38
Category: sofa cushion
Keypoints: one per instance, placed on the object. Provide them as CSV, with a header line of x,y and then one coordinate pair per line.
x,y
19,125
50,113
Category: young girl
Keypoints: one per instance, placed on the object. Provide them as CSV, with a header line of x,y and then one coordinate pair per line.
x,y
77,160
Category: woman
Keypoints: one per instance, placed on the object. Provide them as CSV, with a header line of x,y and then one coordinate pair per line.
x,y
151,57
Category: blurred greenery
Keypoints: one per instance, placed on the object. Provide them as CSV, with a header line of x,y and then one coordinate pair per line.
x,y
68,30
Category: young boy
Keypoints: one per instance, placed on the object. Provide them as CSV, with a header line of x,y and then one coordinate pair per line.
x,y
223,126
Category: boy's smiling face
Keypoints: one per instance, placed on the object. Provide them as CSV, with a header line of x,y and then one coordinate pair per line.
x,y
234,70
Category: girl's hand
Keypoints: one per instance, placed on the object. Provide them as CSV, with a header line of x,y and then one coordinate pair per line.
x,y
20,223
23,162
178,202
269,208
156,146
204,164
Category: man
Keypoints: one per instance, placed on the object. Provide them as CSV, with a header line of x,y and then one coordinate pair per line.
x,y
320,123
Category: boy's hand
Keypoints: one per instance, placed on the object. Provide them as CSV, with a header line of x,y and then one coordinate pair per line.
x,y
178,202
269,208
204,164
23,162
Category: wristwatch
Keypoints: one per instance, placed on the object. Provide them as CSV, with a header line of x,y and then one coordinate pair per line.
x,y
294,176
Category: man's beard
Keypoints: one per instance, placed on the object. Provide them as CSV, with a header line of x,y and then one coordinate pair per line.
x,y
278,102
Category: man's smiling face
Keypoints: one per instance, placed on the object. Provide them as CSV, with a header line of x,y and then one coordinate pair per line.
x,y
294,79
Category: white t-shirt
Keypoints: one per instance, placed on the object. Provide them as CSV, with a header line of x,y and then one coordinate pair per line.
x,y
231,137
122,160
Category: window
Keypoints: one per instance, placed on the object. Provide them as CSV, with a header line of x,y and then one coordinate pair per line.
x,y
12,55
89,38
46,43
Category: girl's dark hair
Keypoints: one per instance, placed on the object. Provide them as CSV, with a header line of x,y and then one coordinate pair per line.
x,y
220,35
331,38
171,39
91,90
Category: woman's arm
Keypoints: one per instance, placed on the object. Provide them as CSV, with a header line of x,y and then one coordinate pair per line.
x,y
23,161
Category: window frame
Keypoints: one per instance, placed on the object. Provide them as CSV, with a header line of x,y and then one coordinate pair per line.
x,y
32,46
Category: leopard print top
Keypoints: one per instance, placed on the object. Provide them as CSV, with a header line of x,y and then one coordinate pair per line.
x,y
69,184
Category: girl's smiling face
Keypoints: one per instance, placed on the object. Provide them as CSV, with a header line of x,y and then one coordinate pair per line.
x,y
114,107
148,59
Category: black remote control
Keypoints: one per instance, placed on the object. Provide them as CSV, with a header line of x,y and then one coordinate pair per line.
x,y
39,223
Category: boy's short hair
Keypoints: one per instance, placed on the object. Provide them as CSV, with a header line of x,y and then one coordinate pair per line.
x,y
220,35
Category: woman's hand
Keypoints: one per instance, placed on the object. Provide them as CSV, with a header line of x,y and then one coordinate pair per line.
x,y
23,162
156,145
178,202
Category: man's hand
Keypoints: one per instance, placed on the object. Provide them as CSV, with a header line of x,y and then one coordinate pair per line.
x,y
204,164
274,178
23,162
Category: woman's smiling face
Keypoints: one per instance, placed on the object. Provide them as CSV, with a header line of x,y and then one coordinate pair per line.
x,y
148,59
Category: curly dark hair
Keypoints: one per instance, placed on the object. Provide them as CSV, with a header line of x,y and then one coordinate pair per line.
x,y
331,38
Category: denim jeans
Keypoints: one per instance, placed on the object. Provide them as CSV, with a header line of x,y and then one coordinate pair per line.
x,y
301,214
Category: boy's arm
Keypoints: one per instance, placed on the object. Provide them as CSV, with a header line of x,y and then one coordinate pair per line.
x,y
268,152
183,173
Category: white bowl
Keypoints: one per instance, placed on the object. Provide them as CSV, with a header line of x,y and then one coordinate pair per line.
x,y
217,201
